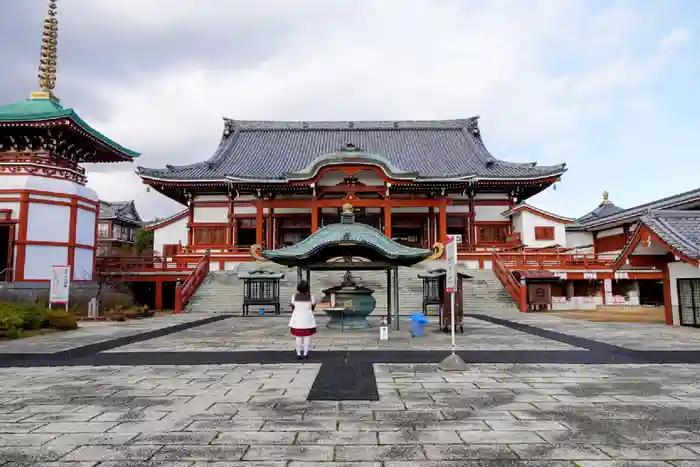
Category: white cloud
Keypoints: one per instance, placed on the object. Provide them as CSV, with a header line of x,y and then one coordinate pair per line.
x,y
374,60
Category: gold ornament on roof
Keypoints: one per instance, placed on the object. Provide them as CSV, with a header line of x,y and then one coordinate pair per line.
x,y
605,197
347,208
49,56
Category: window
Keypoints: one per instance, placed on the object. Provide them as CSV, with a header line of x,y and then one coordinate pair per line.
x,y
544,233
492,233
170,249
117,231
103,230
210,235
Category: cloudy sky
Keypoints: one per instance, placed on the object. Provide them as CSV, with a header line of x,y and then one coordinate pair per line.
x,y
609,87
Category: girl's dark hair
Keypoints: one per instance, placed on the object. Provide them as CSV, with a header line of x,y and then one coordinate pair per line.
x,y
303,287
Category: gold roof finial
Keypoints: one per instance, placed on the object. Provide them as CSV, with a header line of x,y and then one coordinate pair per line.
x,y
49,57
605,198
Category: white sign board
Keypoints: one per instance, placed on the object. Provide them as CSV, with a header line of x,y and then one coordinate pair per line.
x,y
93,310
590,275
451,256
622,275
457,238
383,333
60,285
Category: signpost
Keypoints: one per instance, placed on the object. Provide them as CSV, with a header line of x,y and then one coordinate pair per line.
x,y
59,294
453,362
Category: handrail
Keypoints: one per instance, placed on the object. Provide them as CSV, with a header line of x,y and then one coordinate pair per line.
x,y
511,284
185,290
8,275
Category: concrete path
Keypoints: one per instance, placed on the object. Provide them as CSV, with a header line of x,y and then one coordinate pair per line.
x,y
504,414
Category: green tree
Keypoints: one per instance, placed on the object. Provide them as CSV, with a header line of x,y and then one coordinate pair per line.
x,y
143,240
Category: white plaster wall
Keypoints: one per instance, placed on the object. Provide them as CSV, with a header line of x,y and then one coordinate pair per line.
x,y
489,213
373,210
211,198
40,259
528,222
244,210
415,210
210,214
17,182
329,210
491,196
10,205
679,270
461,208
49,223
578,239
82,265
292,210
85,228
171,234
517,221
609,232
576,303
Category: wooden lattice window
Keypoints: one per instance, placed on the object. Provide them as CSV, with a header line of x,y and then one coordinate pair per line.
x,y
544,233
209,235
492,233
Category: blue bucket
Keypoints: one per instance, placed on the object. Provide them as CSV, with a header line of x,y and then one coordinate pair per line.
x,y
418,322
262,311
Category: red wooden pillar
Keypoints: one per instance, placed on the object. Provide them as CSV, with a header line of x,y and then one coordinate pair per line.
x,y
387,221
190,221
443,224
314,216
269,233
260,221
159,294
668,305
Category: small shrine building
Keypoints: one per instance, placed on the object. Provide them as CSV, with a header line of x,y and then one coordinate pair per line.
x,y
48,217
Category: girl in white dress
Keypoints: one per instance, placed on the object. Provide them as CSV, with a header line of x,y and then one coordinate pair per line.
x,y
303,323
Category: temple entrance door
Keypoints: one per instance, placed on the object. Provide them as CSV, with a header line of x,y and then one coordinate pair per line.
x,y
689,302
6,251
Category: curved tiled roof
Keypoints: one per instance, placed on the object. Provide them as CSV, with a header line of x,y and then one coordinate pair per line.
x,y
603,210
679,229
35,110
631,214
122,210
267,150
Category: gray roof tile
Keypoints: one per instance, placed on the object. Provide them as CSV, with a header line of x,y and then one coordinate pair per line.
x,y
632,214
433,149
121,210
679,229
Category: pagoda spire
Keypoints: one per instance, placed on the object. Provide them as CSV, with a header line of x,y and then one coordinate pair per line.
x,y
49,56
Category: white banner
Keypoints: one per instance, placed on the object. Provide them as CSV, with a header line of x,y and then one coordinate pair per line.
x,y
60,285
451,256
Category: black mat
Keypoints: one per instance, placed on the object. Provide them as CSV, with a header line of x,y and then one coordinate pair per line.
x,y
344,382
582,342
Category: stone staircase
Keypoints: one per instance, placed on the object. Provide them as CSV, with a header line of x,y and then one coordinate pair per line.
x,y
222,291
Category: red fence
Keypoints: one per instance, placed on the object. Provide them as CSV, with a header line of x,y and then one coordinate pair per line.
x,y
184,291
511,284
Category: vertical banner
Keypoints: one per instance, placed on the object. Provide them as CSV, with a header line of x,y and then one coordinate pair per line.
x,y
60,285
451,256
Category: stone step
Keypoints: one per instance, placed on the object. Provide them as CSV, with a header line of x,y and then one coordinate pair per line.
x,y
223,290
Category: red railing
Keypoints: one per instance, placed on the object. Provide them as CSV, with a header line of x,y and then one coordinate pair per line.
x,y
185,290
555,260
126,264
511,284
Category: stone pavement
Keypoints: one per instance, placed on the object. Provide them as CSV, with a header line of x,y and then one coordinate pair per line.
x,y
272,333
505,414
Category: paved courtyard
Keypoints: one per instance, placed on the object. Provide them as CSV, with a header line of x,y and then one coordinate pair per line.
x,y
82,409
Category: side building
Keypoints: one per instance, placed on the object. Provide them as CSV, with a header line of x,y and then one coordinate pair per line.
x,y
118,223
